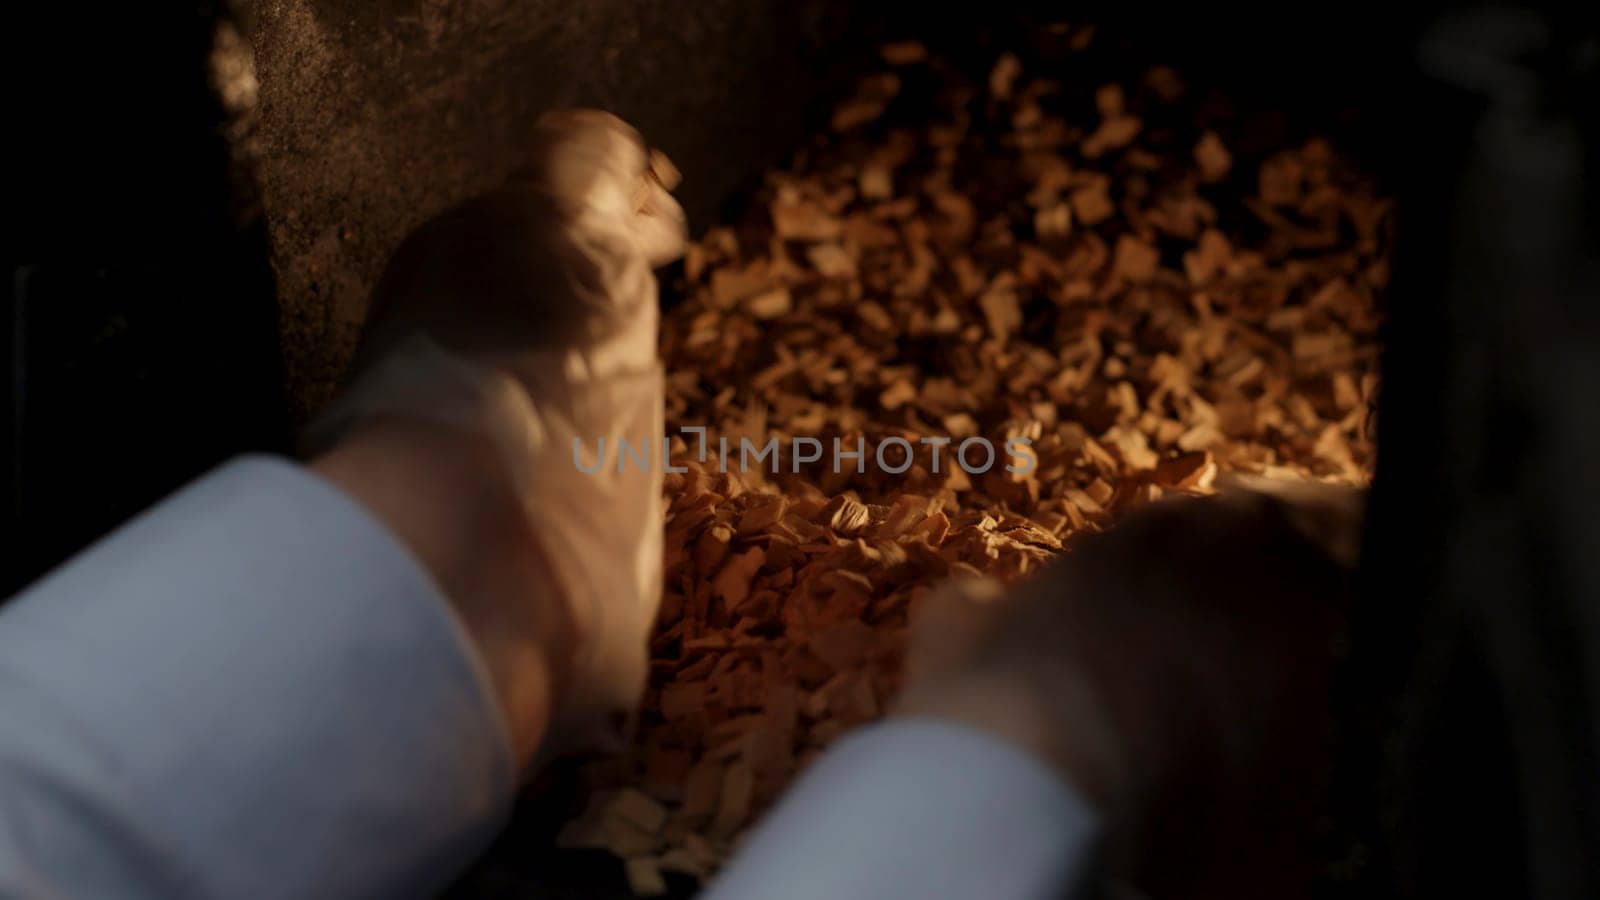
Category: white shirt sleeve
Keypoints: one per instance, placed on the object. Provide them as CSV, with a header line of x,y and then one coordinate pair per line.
x,y
919,808
251,690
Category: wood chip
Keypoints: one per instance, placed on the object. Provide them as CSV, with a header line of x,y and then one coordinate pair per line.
x,y
1109,100
1001,310
1187,471
1134,260
896,289
639,809
733,805
1054,221
770,304
903,53
1209,258
1003,77
1212,158
804,221
877,182
1092,203
871,99
732,584
898,394
730,285
831,260
1113,134
644,877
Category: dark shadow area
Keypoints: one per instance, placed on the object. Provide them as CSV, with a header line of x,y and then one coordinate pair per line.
x,y
141,344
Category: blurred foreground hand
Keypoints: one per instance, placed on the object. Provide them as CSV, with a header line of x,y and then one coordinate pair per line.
x,y
1177,670
501,332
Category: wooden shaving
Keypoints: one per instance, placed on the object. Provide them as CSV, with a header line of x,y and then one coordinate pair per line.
x,y
903,53
1212,157
1106,304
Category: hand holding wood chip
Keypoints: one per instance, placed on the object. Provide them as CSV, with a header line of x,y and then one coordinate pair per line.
x,y
1175,668
526,319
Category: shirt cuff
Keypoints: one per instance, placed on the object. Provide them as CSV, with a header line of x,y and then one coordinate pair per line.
x,y
250,690
919,808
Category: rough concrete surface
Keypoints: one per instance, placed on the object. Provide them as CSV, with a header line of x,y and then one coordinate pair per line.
x,y
375,114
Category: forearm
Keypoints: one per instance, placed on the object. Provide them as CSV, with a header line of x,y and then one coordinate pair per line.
x,y
919,807
445,496
251,690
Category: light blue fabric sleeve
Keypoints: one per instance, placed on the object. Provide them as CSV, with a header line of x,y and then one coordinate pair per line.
x,y
918,808
251,690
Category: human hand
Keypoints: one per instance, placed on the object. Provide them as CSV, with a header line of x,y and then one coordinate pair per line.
x,y
1177,670
501,332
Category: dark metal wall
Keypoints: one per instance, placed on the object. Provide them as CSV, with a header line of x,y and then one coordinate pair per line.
x,y
376,115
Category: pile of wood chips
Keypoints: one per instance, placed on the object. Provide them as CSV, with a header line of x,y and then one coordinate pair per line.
x,y
1136,303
